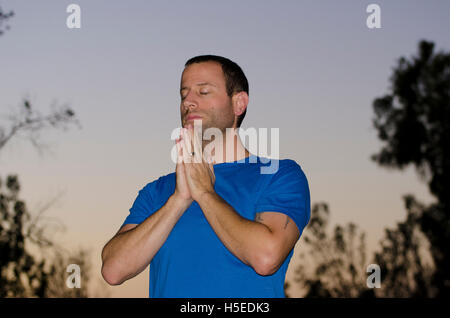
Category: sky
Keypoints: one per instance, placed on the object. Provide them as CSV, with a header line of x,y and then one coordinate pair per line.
x,y
314,69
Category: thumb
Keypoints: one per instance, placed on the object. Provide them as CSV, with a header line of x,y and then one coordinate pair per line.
x,y
179,155
210,163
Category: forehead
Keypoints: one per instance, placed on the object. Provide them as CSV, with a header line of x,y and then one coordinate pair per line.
x,y
210,72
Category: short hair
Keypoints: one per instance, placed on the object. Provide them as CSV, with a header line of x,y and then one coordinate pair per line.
x,y
235,79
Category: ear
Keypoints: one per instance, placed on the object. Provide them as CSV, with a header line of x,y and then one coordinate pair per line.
x,y
240,102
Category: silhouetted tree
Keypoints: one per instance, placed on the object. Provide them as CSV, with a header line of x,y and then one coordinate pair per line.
x,y
4,16
333,265
413,122
57,283
405,262
29,123
21,274
31,264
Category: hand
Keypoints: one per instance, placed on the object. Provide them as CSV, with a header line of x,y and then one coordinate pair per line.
x,y
181,189
199,173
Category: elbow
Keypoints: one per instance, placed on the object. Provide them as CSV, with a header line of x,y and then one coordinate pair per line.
x,y
267,263
110,276
265,268
109,273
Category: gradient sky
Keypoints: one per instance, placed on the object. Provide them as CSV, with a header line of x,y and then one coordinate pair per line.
x,y
314,69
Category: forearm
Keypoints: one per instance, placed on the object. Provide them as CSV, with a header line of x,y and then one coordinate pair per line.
x,y
248,240
128,253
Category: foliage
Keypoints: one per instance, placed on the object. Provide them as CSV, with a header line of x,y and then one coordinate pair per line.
x,y
4,16
413,122
333,265
31,264
404,259
29,122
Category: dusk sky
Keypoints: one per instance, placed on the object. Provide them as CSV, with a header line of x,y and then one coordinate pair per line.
x,y
314,69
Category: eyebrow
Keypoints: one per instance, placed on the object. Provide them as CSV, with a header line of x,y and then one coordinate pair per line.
x,y
199,84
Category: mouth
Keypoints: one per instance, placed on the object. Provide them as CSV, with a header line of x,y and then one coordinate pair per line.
x,y
193,117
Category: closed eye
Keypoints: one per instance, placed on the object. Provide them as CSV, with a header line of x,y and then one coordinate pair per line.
x,y
201,93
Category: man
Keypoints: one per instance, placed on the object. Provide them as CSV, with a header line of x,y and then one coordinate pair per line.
x,y
217,227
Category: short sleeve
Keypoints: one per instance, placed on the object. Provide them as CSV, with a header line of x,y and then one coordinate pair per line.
x,y
142,207
287,192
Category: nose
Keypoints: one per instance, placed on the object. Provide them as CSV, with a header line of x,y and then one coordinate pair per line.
x,y
189,102
188,105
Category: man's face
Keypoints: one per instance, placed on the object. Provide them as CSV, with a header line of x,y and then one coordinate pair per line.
x,y
204,96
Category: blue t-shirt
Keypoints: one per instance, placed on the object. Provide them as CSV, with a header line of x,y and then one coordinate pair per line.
x,y
193,262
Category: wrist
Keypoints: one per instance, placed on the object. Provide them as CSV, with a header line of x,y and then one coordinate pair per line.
x,y
205,196
180,202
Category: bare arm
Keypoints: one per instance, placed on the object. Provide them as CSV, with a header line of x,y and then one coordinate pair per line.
x,y
262,244
131,250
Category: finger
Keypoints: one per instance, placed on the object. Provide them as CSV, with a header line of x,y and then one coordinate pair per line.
x,y
213,174
179,150
198,156
194,153
207,157
181,146
211,168
187,147
211,165
190,134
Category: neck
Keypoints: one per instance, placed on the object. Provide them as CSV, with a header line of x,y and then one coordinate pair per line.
x,y
229,148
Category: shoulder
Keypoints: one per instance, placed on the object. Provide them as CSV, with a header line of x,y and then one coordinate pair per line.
x,y
289,163
291,166
159,185
283,176
283,167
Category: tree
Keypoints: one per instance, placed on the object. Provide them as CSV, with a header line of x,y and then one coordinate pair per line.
x,y
332,265
31,263
20,274
413,122
4,16
57,287
404,259
29,122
